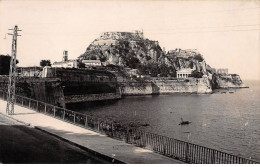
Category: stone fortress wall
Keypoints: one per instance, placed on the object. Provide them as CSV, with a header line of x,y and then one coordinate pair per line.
x,y
187,85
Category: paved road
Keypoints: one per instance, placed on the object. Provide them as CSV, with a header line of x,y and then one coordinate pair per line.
x,y
24,144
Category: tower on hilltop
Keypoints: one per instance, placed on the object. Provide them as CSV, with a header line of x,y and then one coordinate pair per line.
x,y
65,56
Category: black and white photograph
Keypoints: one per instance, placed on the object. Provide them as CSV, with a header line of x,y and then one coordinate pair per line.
x,y
129,82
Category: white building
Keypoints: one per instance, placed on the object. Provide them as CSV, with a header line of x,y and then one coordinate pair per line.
x,y
223,71
65,63
92,63
184,73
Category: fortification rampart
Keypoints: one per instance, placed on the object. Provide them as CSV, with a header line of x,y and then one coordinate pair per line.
x,y
188,85
137,88
59,85
48,90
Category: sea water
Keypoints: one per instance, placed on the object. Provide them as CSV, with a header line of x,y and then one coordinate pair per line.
x,y
227,120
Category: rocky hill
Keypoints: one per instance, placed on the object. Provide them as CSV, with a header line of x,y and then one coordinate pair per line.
x,y
132,50
123,49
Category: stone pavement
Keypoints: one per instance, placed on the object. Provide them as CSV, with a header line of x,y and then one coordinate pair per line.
x,y
119,150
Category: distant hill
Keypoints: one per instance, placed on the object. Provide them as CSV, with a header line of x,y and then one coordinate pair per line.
x,y
132,50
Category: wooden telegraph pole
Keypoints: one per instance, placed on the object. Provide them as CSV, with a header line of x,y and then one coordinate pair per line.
x,y
12,73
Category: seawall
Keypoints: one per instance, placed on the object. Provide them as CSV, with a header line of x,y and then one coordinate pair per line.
x,y
136,88
91,97
188,85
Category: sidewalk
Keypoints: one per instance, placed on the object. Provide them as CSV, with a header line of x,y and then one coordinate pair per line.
x,y
96,142
37,147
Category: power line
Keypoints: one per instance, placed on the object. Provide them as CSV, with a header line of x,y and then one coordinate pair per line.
x,y
203,31
154,31
231,10
220,11
232,30
204,19
201,21
244,25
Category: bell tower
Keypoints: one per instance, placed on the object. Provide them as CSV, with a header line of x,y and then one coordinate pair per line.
x,y
65,56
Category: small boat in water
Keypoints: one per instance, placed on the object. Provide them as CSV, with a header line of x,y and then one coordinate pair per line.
x,y
146,124
184,122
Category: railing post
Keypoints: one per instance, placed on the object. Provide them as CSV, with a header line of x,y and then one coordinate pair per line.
x,y
37,106
127,134
213,157
63,114
164,145
86,122
112,129
29,103
74,119
45,108
54,113
187,153
98,125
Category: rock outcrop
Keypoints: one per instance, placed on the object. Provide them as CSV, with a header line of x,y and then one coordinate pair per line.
x,y
227,81
132,50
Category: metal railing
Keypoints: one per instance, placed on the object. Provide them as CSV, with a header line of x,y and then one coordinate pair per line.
x,y
184,151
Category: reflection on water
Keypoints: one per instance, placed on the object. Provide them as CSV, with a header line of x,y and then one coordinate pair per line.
x,y
225,121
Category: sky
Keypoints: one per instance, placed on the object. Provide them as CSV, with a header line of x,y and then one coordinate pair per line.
x,y
225,32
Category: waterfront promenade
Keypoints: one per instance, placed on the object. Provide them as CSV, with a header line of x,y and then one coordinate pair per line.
x,y
95,142
37,147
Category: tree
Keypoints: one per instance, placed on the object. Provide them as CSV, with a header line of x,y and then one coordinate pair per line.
x,y
196,74
143,69
81,65
92,57
172,72
131,61
5,64
153,69
102,58
198,57
44,63
164,70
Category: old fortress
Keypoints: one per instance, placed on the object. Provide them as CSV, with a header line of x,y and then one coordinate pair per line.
x,y
111,38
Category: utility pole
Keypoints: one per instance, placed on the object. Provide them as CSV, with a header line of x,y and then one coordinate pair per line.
x,y
12,73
